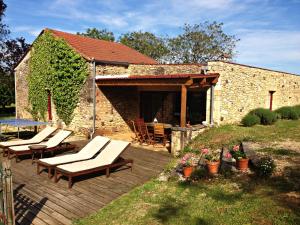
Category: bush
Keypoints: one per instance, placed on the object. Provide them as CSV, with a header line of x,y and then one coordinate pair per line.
x,y
250,120
267,117
297,110
265,167
288,112
199,173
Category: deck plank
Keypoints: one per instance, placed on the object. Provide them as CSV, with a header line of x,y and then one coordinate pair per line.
x,y
38,200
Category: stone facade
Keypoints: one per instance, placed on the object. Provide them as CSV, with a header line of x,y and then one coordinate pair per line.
x,y
148,69
164,69
115,107
83,113
242,88
21,73
105,69
181,137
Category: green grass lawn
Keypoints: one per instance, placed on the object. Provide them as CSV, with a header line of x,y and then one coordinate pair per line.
x,y
223,200
232,134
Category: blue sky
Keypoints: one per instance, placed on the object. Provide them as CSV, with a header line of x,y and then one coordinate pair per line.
x,y
269,29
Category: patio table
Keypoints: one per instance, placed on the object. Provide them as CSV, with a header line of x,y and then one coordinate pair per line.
x,y
36,149
166,125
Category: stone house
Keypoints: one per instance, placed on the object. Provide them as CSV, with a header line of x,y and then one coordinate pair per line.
x,y
130,85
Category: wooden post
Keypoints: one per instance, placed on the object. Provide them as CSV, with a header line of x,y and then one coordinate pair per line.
x,y
183,106
8,193
212,102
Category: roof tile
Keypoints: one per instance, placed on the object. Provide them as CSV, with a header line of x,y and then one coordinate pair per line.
x,y
101,50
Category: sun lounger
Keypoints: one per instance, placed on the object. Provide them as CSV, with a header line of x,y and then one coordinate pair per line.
x,y
87,152
108,158
38,138
53,144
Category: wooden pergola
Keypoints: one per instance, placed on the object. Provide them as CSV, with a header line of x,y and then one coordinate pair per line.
x,y
182,82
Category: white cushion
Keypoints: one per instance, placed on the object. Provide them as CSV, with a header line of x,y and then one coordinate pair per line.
x,y
36,139
51,143
87,152
106,157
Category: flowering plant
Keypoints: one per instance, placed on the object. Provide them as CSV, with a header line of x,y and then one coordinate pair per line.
x,y
212,156
189,159
236,153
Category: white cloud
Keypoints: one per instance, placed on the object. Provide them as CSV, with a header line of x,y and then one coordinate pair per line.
x,y
147,15
33,31
269,48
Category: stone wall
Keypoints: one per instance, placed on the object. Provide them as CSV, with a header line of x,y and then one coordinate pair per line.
x,y
105,69
146,69
21,73
115,107
181,137
165,69
242,88
83,113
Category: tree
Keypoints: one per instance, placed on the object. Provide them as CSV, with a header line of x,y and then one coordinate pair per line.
x,y
200,43
11,52
7,91
3,28
99,34
146,43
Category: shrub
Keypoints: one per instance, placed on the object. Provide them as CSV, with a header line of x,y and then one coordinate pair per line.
x,y
288,112
265,167
297,110
267,117
250,120
199,173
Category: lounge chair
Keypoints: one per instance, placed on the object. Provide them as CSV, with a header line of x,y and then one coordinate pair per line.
x,y
87,152
108,158
53,144
38,138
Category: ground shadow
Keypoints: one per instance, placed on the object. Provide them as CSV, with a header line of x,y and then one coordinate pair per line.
x,y
221,195
284,188
172,208
26,209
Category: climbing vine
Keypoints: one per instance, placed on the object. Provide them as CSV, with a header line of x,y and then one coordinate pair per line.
x,y
56,67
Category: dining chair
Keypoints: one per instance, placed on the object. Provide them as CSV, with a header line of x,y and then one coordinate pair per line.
x,y
145,136
137,137
159,134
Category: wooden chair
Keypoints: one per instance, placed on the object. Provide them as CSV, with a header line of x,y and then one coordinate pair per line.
x,y
145,136
137,137
159,134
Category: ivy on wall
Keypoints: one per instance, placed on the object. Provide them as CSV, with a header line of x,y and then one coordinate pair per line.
x,y
55,66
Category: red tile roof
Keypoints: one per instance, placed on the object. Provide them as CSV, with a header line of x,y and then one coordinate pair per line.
x,y
104,51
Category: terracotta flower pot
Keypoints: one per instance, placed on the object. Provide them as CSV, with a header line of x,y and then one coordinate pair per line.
x,y
242,164
187,171
213,167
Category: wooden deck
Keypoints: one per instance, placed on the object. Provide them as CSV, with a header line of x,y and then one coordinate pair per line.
x,y
39,200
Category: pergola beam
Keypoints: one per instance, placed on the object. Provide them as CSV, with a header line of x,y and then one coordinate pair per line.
x,y
204,80
183,106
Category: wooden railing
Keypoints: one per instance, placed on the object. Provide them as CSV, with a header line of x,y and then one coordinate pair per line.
x,y
7,214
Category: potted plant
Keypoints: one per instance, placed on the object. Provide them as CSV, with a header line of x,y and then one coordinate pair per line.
x,y
188,162
212,160
240,157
